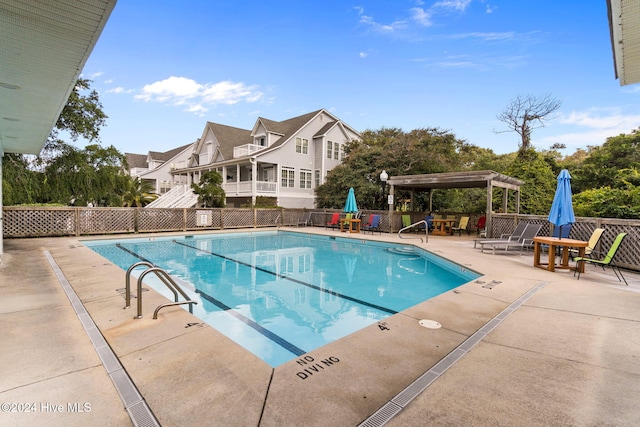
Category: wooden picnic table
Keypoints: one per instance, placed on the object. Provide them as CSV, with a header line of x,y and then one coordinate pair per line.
x,y
553,243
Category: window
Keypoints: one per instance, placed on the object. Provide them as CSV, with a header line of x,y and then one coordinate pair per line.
x,y
329,149
288,177
336,150
261,141
302,145
305,178
317,178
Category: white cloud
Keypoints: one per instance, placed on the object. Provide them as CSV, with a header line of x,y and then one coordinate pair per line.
x,y
460,5
185,91
420,16
591,127
119,89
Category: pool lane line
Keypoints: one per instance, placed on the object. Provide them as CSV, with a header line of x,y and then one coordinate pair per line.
x,y
265,332
129,251
300,282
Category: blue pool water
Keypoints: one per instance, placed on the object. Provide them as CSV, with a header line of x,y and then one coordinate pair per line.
x,y
282,294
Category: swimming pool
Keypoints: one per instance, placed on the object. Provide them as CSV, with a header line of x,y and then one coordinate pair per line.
x,y
282,294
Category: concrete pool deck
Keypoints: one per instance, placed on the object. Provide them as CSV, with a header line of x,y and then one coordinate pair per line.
x,y
566,352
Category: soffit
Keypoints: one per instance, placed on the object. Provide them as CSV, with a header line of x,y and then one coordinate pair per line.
x,y
43,47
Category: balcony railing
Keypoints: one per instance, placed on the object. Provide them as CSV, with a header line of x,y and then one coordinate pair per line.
x,y
246,150
244,187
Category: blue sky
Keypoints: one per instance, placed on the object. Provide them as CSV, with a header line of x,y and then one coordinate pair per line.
x,y
165,68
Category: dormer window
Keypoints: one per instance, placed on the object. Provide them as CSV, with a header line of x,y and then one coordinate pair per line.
x,y
262,141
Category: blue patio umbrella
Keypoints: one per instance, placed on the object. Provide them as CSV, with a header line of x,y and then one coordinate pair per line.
x,y
350,205
562,207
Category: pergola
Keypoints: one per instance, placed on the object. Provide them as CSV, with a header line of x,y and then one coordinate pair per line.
x,y
474,179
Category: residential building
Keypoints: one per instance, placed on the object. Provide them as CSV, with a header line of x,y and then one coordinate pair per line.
x,y
284,160
155,167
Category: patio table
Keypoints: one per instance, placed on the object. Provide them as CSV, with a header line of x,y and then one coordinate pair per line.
x,y
440,226
553,243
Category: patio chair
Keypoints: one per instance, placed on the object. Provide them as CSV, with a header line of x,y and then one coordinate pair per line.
x,y
335,221
480,226
525,240
591,246
406,221
463,225
373,225
513,237
305,219
607,260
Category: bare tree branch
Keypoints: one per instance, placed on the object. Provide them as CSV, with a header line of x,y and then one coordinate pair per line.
x,y
526,113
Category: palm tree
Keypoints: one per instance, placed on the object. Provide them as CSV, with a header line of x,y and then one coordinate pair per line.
x,y
139,193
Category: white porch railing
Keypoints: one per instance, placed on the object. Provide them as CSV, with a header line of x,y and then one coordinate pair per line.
x,y
245,150
244,187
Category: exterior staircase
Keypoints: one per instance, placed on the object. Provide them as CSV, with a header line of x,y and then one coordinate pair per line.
x,y
180,196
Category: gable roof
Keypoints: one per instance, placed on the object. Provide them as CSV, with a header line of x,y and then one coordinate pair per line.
x,y
136,160
167,155
229,137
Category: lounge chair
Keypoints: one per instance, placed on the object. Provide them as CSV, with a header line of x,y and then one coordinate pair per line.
x,y
513,237
463,225
335,221
373,225
591,246
305,219
607,260
530,231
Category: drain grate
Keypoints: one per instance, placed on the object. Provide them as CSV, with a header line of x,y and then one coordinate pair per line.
x,y
413,390
136,407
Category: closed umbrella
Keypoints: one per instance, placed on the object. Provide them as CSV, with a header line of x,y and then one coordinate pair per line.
x,y
562,207
350,205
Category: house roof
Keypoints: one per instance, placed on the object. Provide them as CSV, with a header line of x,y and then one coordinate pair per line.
x,y
136,160
624,28
45,45
167,155
229,137
324,129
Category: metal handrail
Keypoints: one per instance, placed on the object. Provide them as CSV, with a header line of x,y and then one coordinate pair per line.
x,y
164,278
426,230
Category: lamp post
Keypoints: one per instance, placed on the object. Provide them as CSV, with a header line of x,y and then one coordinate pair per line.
x,y
384,176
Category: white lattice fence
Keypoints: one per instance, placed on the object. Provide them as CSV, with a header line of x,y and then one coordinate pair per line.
x,y
271,217
160,220
106,220
35,222
237,218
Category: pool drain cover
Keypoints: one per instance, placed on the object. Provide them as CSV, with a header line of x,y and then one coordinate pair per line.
x,y
431,324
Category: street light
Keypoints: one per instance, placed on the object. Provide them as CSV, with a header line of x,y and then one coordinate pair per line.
x,y
384,176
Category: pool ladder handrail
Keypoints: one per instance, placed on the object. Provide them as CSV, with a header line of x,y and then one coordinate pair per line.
x,y
165,278
426,231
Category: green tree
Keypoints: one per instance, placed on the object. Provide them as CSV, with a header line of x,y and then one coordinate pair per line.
x,y
20,184
90,176
540,182
607,202
63,173
399,153
209,190
139,193
603,164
